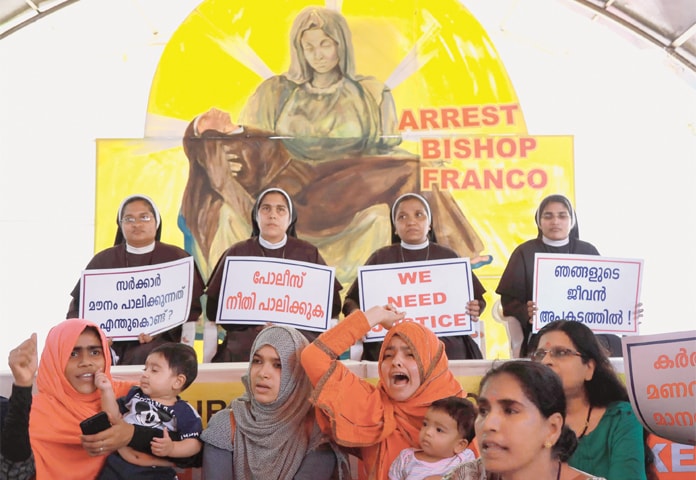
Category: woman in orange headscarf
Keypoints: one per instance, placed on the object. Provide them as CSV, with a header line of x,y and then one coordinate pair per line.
x,y
380,420
75,350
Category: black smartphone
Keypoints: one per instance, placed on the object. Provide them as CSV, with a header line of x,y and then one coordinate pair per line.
x,y
95,424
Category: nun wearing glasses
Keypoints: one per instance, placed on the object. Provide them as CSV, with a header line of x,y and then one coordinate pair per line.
x,y
137,244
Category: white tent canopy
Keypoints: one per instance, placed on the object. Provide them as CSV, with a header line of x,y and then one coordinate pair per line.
x,y
669,24
579,68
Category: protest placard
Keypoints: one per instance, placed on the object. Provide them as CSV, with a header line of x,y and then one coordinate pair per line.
x,y
256,291
434,293
600,292
661,381
126,302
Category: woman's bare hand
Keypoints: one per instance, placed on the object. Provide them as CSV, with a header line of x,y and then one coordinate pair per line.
x,y
384,315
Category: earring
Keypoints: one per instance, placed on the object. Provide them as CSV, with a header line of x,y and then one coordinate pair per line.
x,y
548,444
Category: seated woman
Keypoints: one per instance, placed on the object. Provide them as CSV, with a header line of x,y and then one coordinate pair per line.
x,y
273,235
611,440
413,240
270,432
557,233
520,429
75,350
137,244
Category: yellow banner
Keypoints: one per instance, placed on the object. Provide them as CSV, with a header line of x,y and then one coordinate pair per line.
x,y
423,103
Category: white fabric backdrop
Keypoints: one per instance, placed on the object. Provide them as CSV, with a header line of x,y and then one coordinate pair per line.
x,y
85,72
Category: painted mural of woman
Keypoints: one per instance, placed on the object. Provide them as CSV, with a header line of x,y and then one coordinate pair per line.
x,y
328,137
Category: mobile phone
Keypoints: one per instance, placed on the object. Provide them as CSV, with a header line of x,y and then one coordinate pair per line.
x,y
95,424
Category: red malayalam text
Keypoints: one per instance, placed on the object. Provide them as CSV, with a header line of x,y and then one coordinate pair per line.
x,y
671,390
683,359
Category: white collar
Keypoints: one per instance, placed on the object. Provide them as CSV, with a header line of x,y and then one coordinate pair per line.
x,y
273,246
410,246
555,243
140,250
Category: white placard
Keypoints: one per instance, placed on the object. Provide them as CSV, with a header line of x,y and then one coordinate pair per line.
x,y
434,293
600,292
661,381
126,302
259,290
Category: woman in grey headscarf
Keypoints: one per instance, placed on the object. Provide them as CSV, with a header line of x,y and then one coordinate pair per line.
x,y
270,431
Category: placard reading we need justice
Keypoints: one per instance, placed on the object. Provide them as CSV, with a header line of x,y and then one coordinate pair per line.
x,y
434,293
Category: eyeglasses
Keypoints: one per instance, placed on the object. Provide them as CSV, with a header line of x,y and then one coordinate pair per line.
x,y
555,352
142,218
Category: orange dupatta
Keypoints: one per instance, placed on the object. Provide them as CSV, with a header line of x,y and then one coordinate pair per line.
x,y
57,409
437,381
362,415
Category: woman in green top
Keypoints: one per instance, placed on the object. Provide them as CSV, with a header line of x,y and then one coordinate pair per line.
x,y
611,440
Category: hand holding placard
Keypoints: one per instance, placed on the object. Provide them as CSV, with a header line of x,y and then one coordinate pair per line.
x,y
385,316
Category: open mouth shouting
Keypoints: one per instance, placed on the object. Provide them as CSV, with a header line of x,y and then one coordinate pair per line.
x,y
399,370
399,385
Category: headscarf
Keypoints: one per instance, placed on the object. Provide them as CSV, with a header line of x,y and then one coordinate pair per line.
x,y
57,409
270,440
256,230
334,25
437,381
431,231
380,426
120,238
557,198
